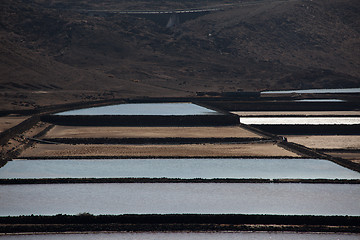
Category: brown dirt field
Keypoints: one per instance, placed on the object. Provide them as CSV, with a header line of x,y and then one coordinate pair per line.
x,y
354,157
188,150
304,113
148,132
10,121
327,142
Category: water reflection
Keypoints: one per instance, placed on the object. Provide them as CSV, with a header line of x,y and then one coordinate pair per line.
x,y
168,198
177,168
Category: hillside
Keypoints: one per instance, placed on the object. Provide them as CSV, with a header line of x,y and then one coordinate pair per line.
x,y
56,52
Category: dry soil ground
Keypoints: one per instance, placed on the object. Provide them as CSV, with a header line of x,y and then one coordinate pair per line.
x,y
43,151
352,156
51,53
21,141
149,132
10,121
342,146
327,141
167,150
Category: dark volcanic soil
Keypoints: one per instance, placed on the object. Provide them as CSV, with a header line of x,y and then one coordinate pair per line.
x,y
55,52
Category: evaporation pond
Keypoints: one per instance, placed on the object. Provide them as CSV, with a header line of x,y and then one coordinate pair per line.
x,y
161,109
177,168
184,236
300,120
178,198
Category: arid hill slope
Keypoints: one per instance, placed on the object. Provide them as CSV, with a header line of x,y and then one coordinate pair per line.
x,y
56,52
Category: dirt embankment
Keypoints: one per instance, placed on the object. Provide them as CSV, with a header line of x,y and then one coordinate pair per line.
x,y
179,222
172,180
143,120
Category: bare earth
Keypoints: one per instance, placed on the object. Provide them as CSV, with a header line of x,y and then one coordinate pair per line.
x,y
354,157
53,54
10,121
188,150
19,142
327,142
149,132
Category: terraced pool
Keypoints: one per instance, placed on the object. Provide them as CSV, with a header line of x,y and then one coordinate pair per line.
x,y
189,168
169,198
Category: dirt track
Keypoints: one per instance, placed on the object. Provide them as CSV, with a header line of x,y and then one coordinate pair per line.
x,y
10,121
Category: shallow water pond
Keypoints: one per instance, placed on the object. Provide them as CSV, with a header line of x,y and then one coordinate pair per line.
x,y
169,198
144,109
177,168
300,120
187,236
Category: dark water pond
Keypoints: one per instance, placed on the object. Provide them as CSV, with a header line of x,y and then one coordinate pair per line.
x,y
145,109
168,198
187,236
178,168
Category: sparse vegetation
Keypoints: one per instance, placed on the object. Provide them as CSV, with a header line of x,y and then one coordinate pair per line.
x,y
55,52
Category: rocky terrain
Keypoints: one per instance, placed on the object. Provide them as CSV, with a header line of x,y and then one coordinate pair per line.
x,y
56,51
